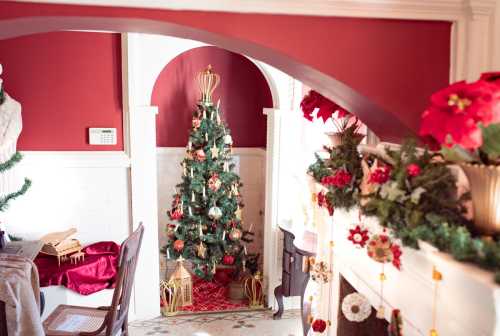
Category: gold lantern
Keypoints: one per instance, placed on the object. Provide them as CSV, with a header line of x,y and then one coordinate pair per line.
x,y
182,278
170,296
207,81
254,290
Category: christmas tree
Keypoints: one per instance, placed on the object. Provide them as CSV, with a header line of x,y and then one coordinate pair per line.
x,y
207,205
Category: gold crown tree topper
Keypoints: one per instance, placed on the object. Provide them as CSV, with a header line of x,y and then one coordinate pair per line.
x,y
207,82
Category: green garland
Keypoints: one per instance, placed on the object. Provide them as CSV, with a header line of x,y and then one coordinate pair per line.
x,y
342,157
4,201
419,205
425,207
11,162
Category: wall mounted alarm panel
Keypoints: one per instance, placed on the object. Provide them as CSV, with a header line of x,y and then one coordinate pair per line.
x,y
102,136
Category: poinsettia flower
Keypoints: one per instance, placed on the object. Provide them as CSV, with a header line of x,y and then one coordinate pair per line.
x,y
309,103
492,77
455,112
326,108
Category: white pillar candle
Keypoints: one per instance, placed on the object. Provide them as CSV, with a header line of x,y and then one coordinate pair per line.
x,y
224,235
193,199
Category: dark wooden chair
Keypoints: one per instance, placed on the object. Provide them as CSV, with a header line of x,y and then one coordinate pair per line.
x,y
72,320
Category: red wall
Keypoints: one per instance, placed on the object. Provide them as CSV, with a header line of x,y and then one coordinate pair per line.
x,y
395,63
65,82
243,92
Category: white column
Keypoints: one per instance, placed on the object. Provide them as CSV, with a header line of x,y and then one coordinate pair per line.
x,y
140,145
144,207
271,230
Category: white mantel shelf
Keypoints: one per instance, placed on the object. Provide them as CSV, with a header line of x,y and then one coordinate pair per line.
x,y
468,299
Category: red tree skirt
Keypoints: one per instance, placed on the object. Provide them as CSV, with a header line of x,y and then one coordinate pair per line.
x,y
213,296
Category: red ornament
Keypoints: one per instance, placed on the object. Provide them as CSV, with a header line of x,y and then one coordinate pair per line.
x,y
380,175
413,170
358,236
179,245
176,214
200,155
396,253
214,183
228,259
340,179
319,325
196,123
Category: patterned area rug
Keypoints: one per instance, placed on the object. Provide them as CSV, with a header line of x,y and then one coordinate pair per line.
x,y
259,323
212,297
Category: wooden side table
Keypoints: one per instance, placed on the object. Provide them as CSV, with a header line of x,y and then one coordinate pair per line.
x,y
296,253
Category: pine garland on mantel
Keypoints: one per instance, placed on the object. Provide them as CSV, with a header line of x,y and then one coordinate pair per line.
x,y
412,193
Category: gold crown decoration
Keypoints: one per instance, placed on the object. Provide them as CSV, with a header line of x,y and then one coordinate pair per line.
x,y
207,82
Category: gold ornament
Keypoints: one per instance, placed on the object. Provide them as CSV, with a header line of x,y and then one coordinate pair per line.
x,y
437,277
238,213
254,290
201,250
320,272
182,278
215,151
235,234
170,295
207,82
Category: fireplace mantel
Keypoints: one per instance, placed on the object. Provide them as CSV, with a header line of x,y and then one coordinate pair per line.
x,y
468,299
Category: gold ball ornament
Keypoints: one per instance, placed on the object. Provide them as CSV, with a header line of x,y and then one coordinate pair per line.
x,y
215,213
235,234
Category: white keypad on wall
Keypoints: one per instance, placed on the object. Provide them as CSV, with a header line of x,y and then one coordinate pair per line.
x,y
102,136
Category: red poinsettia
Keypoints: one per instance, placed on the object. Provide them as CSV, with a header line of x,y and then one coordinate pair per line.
x,y
340,179
319,325
324,202
314,100
380,175
455,112
358,236
413,170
